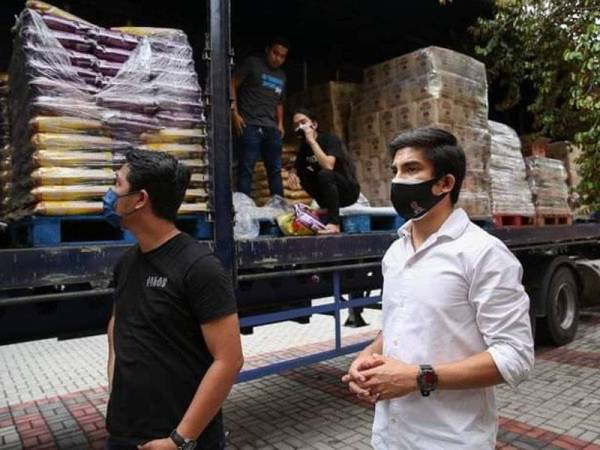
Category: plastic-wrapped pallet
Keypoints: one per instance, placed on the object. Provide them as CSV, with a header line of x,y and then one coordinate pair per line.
x,y
81,95
510,191
429,87
548,180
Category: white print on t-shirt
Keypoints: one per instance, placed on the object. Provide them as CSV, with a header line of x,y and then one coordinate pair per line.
x,y
274,83
157,282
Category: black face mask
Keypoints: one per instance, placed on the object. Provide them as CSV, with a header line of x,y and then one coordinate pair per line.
x,y
412,201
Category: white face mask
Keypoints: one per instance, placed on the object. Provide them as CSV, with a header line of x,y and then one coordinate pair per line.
x,y
301,130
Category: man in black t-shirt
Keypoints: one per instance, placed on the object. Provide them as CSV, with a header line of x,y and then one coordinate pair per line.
x,y
258,89
323,169
174,343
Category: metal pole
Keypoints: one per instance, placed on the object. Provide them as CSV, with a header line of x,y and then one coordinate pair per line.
x,y
220,131
307,271
337,296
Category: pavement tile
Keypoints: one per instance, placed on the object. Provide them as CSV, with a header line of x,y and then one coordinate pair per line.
x,y
54,395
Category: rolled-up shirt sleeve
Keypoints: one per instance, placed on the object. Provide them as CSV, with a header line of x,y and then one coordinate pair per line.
x,y
502,312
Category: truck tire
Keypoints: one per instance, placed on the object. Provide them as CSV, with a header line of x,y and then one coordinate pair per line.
x,y
562,309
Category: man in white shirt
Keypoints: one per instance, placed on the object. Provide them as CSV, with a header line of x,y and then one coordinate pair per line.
x,y
455,314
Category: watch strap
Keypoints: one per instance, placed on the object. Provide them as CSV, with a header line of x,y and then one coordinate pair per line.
x,y
181,442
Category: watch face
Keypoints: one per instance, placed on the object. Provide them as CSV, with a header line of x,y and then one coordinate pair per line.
x,y
429,378
190,445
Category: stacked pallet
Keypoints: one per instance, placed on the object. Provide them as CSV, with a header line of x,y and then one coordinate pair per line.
x,y
510,192
81,95
548,180
330,102
429,87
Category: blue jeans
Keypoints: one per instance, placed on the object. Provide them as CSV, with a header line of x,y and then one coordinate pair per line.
x,y
255,142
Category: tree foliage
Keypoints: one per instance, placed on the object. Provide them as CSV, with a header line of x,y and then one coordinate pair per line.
x,y
553,46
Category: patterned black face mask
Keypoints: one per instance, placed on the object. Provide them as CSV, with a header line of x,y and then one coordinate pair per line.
x,y
414,200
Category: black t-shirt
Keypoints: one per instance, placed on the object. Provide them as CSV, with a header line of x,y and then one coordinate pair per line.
x,y
260,90
307,166
161,298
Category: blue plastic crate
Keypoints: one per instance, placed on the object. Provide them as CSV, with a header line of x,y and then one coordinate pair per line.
x,y
386,223
360,223
269,228
196,225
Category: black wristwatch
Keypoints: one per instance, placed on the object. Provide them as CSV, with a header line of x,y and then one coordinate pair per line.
x,y
181,442
426,379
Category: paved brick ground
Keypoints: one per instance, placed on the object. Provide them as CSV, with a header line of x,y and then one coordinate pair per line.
x,y
559,408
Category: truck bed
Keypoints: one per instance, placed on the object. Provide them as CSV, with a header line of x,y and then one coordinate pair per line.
x,y
22,268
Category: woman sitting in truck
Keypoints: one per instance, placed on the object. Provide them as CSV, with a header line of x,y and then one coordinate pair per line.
x,y
323,169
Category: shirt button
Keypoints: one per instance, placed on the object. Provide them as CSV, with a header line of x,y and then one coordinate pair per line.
x,y
395,343
393,420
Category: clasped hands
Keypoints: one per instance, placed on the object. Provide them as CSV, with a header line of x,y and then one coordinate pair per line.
x,y
375,377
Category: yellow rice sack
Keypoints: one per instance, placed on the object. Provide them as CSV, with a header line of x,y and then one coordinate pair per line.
x,y
59,176
179,151
195,165
67,193
67,125
144,31
55,141
193,208
54,158
175,136
69,208
196,195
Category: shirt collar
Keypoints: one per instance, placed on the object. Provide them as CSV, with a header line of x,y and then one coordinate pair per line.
x,y
453,227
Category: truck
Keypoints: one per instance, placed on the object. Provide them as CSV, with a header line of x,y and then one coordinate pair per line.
x,y
65,291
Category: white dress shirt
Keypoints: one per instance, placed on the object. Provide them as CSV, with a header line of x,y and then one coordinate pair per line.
x,y
459,294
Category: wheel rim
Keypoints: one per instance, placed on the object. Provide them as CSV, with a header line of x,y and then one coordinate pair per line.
x,y
565,302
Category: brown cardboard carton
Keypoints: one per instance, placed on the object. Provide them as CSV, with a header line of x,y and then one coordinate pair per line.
x,y
388,122
434,111
406,116
380,74
396,94
359,149
333,92
375,146
371,169
370,124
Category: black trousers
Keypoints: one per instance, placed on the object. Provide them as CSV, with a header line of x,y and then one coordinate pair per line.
x,y
332,191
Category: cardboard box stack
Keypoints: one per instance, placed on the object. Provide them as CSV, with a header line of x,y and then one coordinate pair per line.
x,y
81,95
330,103
548,180
260,184
510,191
429,87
